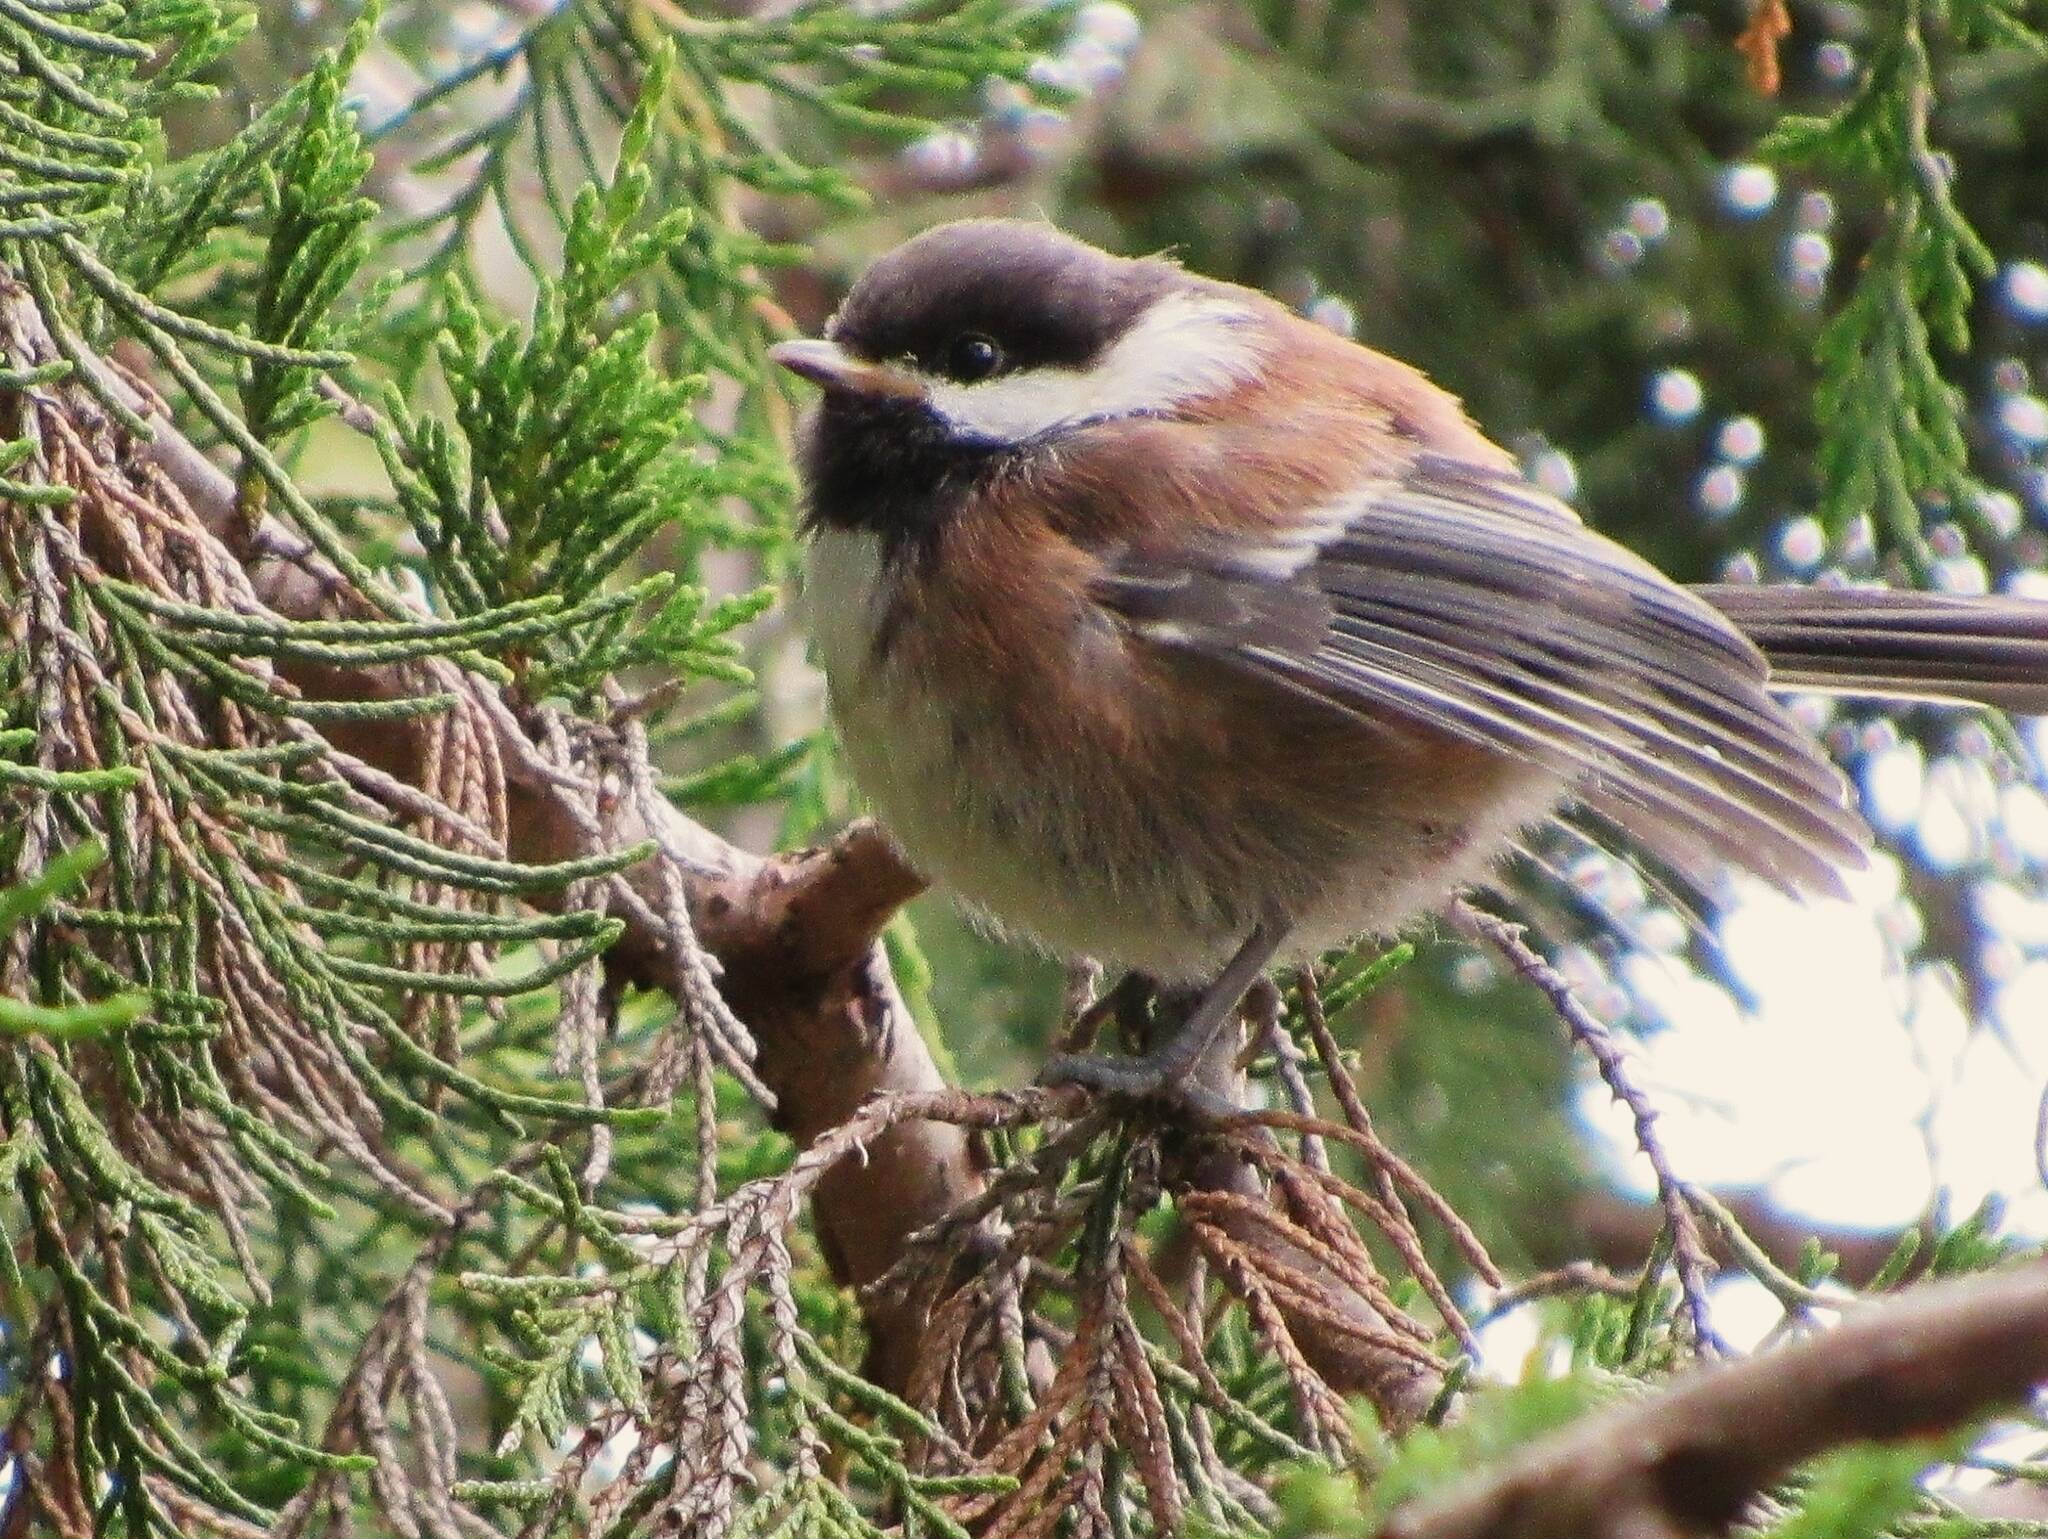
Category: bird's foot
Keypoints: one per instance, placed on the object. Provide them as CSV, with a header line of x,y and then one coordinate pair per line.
x,y
1170,1071
1156,1076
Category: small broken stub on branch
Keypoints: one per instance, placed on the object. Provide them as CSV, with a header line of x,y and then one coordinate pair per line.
x,y
1770,23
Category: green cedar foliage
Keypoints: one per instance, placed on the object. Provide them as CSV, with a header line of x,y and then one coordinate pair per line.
x,y
279,1054
1893,436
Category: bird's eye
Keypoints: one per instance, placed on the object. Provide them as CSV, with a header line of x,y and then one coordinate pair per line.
x,y
973,356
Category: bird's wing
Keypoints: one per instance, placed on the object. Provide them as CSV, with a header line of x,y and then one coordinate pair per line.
x,y
1464,598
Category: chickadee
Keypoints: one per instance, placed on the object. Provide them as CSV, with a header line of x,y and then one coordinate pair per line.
x,y
1165,626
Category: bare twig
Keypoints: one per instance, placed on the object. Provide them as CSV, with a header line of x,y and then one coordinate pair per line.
x,y
1618,1231
1690,1256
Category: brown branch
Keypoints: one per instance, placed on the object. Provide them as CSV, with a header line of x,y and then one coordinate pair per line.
x,y
796,937
1687,1460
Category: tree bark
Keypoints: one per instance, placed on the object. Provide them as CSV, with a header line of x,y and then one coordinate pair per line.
x,y
1687,1459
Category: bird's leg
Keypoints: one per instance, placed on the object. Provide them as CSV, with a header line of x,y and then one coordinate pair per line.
x,y
1166,1067
1134,1000
1126,1004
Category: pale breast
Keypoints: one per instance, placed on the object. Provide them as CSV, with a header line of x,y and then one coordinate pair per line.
x,y
1087,792
1004,764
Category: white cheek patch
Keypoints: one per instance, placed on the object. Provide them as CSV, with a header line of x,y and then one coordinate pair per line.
x,y
1184,348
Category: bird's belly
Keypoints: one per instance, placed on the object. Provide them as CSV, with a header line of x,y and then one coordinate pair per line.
x,y
1037,839
1156,846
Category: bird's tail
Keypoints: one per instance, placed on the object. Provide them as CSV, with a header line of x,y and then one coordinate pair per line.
x,y
1968,648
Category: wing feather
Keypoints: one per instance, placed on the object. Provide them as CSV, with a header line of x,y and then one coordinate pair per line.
x,y
1465,599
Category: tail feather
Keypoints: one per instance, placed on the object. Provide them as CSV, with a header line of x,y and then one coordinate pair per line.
x,y
1969,649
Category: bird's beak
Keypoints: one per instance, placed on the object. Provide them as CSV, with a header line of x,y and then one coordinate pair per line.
x,y
832,368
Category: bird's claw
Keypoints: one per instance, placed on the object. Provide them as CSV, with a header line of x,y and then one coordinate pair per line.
x,y
1150,1077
